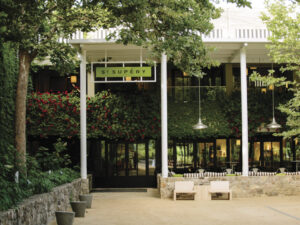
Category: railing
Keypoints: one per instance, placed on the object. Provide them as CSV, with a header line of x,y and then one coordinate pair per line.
x,y
253,34
223,174
217,34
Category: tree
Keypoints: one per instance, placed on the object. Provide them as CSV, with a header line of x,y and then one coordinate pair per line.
x,y
169,26
283,20
173,27
35,27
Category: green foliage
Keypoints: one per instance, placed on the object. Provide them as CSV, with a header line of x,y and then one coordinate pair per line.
x,y
259,112
40,182
9,194
171,27
53,160
36,26
283,20
183,116
38,29
114,116
36,182
135,116
177,175
8,80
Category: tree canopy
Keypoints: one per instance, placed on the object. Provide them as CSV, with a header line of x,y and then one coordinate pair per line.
x,y
35,27
283,19
172,27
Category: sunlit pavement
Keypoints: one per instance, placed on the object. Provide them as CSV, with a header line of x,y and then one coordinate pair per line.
x,y
138,208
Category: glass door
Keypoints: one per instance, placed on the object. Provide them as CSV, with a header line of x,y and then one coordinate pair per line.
x,y
256,157
184,157
205,155
271,155
126,165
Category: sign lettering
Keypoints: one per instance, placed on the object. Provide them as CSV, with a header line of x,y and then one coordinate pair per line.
x,y
123,71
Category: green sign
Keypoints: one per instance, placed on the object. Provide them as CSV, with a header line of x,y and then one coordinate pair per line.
x,y
123,71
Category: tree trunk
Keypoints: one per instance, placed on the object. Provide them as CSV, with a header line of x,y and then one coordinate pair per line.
x,y
20,116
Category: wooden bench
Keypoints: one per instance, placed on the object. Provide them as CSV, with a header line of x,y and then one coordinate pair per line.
x,y
184,187
220,187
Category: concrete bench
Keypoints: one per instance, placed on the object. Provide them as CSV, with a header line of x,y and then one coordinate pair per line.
x,y
184,187
220,187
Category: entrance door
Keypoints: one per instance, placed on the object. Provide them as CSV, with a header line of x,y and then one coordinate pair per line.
x,y
206,155
126,165
271,155
184,157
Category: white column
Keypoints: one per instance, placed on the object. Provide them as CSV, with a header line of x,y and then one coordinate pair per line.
x,y
83,145
164,117
244,110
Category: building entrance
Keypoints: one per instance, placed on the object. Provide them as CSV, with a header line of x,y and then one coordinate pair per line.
x,y
267,155
117,164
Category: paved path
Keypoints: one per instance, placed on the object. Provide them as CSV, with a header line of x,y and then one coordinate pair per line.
x,y
149,209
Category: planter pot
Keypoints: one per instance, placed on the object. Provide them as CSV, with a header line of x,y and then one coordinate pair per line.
x,y
282,170
78,208
255,170
229,171
64,218
88,199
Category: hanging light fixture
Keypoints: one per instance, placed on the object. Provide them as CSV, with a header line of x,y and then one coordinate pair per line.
x,y
273,124
199,125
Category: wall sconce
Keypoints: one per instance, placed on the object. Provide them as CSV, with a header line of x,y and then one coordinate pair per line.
x,y
73,79
271,87
238,142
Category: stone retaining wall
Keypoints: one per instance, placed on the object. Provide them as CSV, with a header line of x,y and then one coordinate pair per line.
x,y
40,209
242,187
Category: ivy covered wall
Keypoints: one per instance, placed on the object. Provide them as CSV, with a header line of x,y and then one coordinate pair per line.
x,y
8,81
9,192
136,116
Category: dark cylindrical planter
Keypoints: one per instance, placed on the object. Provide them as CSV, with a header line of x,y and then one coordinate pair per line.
x,y
88,199
64,218
78,208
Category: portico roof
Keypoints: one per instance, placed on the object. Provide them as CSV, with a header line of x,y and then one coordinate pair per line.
x,y
232,30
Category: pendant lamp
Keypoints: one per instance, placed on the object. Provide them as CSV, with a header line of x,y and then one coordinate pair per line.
x,y
200,125
273,124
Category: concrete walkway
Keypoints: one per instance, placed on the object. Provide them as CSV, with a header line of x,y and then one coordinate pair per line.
x,y
149,209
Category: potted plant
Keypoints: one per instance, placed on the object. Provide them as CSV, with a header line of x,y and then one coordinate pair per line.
x,y
64,218
229,171
282,169
78,208
88,199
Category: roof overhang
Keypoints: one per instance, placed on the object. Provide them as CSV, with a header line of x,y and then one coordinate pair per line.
x,y
225,51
